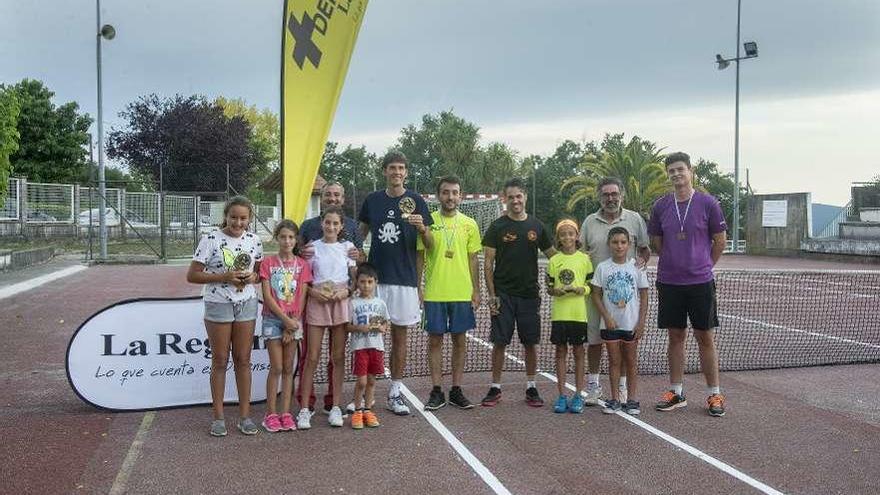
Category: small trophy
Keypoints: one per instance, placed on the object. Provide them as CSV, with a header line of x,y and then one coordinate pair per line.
x,y
407,206
566,276
327,288
241,262
376,322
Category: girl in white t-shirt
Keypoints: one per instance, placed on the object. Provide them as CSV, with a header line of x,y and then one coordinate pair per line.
x,y
327,307
227,262
620,293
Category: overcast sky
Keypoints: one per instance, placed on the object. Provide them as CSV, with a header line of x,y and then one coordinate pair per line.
x,y
530,73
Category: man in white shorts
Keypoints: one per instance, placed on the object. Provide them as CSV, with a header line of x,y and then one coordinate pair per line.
x,y
395,217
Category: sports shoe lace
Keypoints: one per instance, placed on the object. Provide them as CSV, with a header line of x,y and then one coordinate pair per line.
x,y
716,400
667,396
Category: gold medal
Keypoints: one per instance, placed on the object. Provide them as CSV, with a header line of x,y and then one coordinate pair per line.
x,y
407,206
449,253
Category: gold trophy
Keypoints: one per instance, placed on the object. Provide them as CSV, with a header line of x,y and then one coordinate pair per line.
x,y
566,276
407,206
241,262
327,288
376,322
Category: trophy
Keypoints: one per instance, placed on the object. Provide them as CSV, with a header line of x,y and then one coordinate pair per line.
x,y
376,322
407,206
241,262
566,276
327,288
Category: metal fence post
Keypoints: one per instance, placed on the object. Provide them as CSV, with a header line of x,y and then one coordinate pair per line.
x,y
122,212
197,221
162,225
76,210
22,207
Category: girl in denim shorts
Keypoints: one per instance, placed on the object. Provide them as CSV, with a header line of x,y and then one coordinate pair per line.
x,y
227,263
285,278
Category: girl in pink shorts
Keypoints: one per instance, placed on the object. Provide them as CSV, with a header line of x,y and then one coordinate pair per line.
x,y
328,308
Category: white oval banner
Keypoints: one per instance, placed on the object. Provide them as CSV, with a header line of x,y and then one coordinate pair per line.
x,y
152,353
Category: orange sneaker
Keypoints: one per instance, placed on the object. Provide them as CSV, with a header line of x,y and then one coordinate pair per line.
x,y
357,420
370,419
716,405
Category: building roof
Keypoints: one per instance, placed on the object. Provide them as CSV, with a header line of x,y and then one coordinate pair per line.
x,y
274,183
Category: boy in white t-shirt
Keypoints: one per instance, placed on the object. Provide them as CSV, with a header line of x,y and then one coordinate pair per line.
x,y
620,293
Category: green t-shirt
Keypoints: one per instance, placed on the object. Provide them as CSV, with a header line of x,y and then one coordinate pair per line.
x,y
448,279
571,306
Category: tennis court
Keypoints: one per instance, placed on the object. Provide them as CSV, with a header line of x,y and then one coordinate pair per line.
x,y
795,430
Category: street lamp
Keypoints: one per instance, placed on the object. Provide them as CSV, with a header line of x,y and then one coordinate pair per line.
x,y
107,32
751,49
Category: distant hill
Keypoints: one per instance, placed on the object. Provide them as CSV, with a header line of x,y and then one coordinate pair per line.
x,y
822,214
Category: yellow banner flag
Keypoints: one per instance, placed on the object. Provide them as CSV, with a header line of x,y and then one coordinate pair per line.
x,y
319,36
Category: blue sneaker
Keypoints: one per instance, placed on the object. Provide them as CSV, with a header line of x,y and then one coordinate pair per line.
x,y
577,404
561,404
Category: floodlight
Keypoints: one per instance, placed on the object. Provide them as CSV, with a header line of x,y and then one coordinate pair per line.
x,y
751,48
108,32
722,64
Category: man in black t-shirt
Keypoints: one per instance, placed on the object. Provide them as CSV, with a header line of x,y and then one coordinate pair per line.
x,y
511,246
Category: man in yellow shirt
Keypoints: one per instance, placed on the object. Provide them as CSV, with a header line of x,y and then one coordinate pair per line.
x,y
450,302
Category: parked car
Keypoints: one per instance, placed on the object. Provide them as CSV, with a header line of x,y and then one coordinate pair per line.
x,y
39,216
111,217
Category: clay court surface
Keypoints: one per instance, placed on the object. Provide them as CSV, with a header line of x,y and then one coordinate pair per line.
x,y
798,430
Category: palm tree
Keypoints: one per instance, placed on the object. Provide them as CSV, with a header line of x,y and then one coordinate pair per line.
x,y
637,163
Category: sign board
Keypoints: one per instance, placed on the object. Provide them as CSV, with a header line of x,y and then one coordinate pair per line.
x,y
150,354
774,213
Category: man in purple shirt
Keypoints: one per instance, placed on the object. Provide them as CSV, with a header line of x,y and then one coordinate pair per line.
x,y
688,230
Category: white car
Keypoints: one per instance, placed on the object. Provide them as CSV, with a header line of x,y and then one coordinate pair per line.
x,y
111,217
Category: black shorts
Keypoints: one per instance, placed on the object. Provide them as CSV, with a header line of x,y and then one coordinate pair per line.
x,y
678,303
615,335
519,312
568,332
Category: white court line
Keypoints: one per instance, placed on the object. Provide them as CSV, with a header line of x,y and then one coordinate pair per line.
x,y
798,330
133,452
723,466
453,441
38,281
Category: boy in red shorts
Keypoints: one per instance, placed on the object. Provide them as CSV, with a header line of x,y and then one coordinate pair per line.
x,y
369,321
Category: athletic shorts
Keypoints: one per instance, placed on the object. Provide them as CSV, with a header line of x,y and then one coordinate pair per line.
x,y
518,312
568,332
449,317
678,303
617,334
273,328
327,314
368,362
402,302
227,312
594,318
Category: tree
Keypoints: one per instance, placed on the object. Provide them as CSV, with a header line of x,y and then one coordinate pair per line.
x,y
547,203
264,142
638,163
187,140
496,163
52,140
355,168
9,111
708,178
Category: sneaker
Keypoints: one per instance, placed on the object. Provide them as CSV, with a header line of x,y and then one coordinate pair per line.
x,y
370,419
335,418
632,408
304,419
533,398
287,423
492,398
716,405
218,428
247,426
594,393
577,404
436,401
357,420
457,399
670,400
561,405
272,423
621,394
397,406
350,409
611,406
327,408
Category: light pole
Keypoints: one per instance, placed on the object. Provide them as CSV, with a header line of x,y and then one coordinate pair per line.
x,y
751,49
103,32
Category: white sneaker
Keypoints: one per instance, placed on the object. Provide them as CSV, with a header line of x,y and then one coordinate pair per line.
x,y
397,406
594,393
335,418
304,419
350,409
621,394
